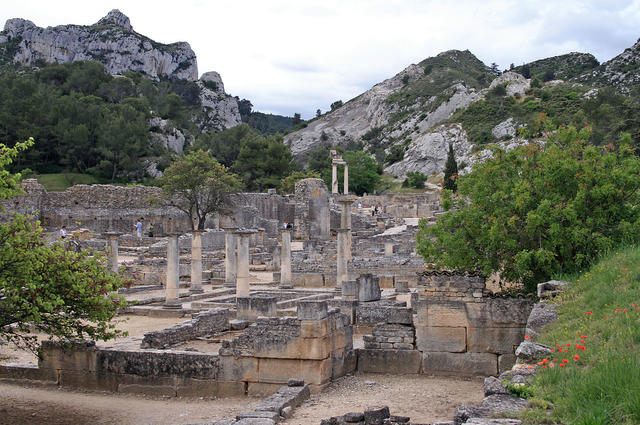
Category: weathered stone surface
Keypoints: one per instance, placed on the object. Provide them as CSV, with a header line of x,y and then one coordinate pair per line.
x,y
312,310
551,288
376,415
469,363
493,385
494,340
506,362
207,323
516,83
531,352
487,421
437,338
111,41
389,361
497,404
372,313
541,315
368,288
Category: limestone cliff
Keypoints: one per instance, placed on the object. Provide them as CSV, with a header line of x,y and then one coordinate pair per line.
x,y
111,41
622,72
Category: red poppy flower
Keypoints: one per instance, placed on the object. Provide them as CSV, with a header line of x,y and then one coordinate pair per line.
x,y
582,341
562,365
568,344
624,270
552,350
527,337
606,318
625,310
529,367
544,367
565,361
576,357
589,313
617,310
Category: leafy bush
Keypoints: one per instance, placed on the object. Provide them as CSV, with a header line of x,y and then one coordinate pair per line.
x,y
415,180
540,210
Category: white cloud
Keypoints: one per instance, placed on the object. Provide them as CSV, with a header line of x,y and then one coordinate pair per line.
x,y
297,56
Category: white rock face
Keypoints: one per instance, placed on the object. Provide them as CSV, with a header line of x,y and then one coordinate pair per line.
x,y
220,110
111,41
516,83
356,117
505,128
164,133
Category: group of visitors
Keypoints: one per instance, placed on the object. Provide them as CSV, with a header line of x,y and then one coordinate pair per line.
x,y
138,226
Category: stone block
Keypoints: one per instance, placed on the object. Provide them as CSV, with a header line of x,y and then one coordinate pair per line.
x,y
499,312
402,286
465,363
88,380
278,371
350,289
389,361
494,340
308,280
237,369
77,356
441,338
347,307
403,346
262,414
23,372
446,314
375,415
338,340
368,288
314,328
506,362
231,389
255,421
312,310
385,281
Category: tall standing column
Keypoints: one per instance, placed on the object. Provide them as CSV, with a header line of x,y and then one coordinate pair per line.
x,y
334,178
112,238
242,277
173,272
345,220
230,257
285,260
342,260
196,262
346,178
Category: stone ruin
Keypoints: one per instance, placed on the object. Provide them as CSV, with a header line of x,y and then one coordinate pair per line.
x,y
342,275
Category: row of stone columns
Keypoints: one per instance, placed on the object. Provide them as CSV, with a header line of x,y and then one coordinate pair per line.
x,y
334,176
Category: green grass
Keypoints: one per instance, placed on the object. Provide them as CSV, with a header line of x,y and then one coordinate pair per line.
x,y
603,386
61,181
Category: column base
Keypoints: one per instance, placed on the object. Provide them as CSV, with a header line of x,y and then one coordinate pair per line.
x,y
196,290
229,284
285,286
172,305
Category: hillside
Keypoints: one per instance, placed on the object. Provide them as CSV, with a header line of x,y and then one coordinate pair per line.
x,y
112,42
408,121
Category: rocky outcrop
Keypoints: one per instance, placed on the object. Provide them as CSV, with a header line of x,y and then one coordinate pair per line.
x,y
623,71
219,109
111,41
516,84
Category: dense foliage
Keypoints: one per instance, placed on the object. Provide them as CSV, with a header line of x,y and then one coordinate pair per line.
x,y
608,113
260,161
198,186
540,210
47,287
450,172
85,120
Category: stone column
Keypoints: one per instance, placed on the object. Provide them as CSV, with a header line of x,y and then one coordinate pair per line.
x,y
334,178
346,178
112,239
285,260
230,257
388,249
173,270
342,259
242,276
260,238
196,262
345,220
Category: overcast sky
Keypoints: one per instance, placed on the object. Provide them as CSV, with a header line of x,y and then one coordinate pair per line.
x,y
299,56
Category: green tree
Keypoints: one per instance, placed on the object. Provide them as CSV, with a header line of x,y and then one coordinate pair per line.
x,y
297,119
263,162
450,172
415,180
47,288
335,105
198,186
538,210
363,172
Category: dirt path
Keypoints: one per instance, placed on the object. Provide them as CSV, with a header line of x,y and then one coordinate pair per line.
x,y
39,406
425,399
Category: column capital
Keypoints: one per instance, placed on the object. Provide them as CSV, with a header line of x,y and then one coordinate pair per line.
x,y
346,199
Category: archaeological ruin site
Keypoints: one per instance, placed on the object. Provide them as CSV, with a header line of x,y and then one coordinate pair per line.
x,y
249,308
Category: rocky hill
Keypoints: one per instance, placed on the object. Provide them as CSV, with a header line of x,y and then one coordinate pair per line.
x,y
622,72
409,120
112,42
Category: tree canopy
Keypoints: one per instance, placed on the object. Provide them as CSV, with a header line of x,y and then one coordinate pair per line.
x,y
198,185
46,287
540,210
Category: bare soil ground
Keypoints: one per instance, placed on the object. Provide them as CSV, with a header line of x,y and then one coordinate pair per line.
x,y
425,399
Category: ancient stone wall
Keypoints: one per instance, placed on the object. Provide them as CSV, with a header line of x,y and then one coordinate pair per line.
x,y
203,324
311,210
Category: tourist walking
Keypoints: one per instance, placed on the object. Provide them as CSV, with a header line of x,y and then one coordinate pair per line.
x,y
138,227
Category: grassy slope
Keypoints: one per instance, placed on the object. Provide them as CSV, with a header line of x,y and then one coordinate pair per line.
x,y
61,181
603,385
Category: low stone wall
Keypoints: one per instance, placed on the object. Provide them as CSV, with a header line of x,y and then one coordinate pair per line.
x,y
207,323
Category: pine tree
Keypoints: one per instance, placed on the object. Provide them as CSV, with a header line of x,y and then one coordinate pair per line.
x,y
450,171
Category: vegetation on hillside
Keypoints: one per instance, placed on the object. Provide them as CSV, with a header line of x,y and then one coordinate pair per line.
x,y
608,113
540,210
599,312
563,67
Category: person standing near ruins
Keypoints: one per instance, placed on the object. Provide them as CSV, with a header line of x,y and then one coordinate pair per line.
x,y
63,232
139,228
150,229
